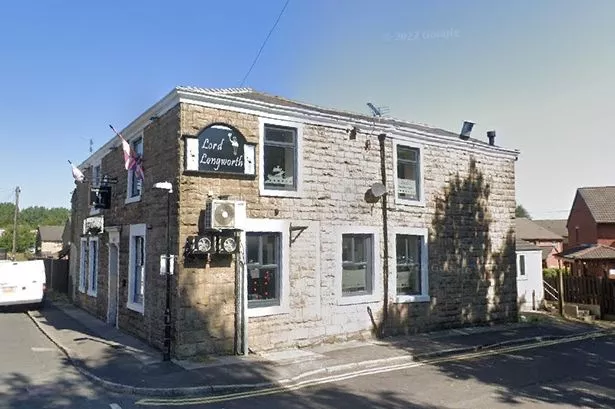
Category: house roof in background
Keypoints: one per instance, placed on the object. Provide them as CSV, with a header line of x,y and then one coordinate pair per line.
x,y
526,229
589,252
557,226
51,233
546,250
600,201
522,245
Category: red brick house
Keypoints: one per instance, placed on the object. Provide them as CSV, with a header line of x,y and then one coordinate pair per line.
x,y
591,231
549,242
557,226
592,217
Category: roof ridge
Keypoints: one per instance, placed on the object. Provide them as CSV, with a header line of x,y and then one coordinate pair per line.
x,y
231,90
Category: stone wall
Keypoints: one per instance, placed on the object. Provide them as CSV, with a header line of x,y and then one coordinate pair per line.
x,y
160,164
469,210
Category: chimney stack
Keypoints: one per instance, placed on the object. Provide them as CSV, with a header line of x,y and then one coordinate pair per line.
x,y
491,137
466,130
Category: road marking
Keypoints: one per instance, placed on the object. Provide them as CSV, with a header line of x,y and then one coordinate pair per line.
x,y
115,406
42,349
342,377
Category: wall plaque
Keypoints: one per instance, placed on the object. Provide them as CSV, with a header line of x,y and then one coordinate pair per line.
x,y
220,148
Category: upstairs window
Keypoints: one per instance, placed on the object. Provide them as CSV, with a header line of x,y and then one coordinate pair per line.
x,y
280,158
134,183
408,173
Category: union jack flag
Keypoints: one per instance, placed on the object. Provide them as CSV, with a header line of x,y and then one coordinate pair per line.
x,y
132,161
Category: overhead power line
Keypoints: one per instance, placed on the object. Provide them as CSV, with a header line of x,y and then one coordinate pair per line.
x,y
264,43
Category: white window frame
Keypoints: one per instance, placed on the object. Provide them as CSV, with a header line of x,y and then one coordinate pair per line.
x,y
413,145
136,230
298,126
521,277
130,172
83,264
410,231
93,272
96,179
376,295
271,226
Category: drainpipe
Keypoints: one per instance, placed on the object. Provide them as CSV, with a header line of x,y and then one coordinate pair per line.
x,y
385,236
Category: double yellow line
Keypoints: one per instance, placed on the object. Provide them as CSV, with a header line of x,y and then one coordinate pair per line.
x,y
336,378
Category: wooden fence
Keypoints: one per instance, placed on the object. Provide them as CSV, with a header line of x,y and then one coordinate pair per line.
x,y
586,290
56,273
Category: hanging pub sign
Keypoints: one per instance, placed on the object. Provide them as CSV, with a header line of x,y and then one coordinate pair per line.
x,y
100,197
220,148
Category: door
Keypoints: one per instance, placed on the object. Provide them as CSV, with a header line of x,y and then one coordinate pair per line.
x,y
113,284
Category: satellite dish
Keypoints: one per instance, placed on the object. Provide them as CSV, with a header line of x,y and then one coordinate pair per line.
x,y
378,189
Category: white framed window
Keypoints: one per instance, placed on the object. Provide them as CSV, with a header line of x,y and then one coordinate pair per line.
x,y
408,174
410,278
136,268
280,158
93,258
96,179
135,185
521,275
358,276
83,263
267,266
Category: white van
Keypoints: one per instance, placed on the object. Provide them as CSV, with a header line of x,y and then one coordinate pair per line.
x,y
22,282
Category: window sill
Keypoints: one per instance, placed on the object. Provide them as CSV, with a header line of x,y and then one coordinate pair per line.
x,y
408,202
92,293
267,311
81,289
281,193
357,299
135,307
407,299
132,199
521,278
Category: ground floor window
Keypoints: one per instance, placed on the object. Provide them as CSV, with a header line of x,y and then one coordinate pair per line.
x,y
357,264
408,256
264,268
136,267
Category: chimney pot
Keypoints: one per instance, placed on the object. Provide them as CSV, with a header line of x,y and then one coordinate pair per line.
x,y
466,129
491,137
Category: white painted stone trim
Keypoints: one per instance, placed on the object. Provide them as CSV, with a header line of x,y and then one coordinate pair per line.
x,y
83,243
261,158
93,273
414,231
523,253
377,292
274,226
398,200
114,240
136,230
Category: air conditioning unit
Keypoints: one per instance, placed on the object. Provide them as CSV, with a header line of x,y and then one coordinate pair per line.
x,y
225,215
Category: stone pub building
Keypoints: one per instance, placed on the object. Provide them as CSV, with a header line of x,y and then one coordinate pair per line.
x,y
292,225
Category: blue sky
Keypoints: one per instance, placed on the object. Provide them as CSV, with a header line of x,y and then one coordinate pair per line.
x,y
539,73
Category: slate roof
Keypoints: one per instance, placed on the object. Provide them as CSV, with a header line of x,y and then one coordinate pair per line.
x,y
589,252
557,226
522,245
600,201
546,250
526,229
51,233
258,96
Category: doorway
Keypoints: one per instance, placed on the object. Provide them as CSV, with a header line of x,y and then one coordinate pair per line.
x,y
114,266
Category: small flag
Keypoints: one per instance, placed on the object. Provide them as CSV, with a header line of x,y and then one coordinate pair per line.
x,y
131,160
77,174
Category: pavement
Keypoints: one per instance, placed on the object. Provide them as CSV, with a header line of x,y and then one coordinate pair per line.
x,y
124,364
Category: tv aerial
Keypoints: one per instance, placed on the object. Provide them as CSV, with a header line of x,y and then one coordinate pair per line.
x,y
377,111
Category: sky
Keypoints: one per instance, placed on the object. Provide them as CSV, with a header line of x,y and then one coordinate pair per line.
x,y
540,73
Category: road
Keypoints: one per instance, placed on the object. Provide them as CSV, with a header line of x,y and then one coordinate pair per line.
x,y
34,374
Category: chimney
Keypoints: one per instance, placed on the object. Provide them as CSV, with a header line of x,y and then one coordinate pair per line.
x,y
491,137
466,129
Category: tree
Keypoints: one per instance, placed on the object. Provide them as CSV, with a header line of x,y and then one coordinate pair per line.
x,y
25,238
7,212
521,212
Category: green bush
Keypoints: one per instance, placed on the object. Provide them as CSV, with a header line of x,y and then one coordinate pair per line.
x,y
552,272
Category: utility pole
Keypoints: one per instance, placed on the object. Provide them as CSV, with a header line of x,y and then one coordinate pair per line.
x,y
17,191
